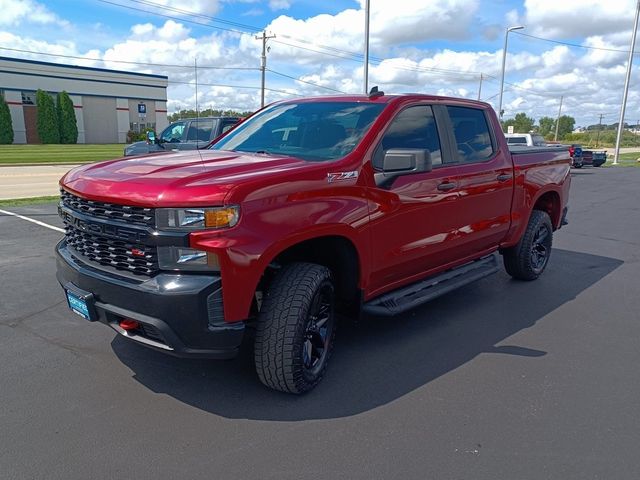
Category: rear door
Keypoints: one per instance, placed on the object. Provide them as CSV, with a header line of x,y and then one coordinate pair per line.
x,y
485,181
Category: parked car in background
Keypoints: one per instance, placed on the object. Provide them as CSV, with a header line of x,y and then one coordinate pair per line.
x,y
575,151
528,139
594,158
185,134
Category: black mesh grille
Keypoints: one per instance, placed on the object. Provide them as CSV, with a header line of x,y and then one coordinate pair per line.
x,y
135,258
109,211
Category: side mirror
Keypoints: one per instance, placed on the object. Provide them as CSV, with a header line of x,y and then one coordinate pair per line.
x,y
151,137
402,161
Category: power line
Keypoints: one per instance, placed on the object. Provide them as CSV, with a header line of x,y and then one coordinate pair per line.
x,y
342,54
77,57
304,81
574,44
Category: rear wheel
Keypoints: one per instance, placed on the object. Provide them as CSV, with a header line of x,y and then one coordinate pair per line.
x,y
296,328
528,259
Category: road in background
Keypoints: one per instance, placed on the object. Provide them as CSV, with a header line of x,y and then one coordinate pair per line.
x,y
31,181
498,380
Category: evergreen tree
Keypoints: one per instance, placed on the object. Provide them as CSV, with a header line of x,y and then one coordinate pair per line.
x,y
47,121
6,127
66,119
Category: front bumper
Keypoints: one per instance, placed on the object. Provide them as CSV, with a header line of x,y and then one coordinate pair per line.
x,y
179,314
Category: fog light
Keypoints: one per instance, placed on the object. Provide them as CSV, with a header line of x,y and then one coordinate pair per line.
x,y
128,324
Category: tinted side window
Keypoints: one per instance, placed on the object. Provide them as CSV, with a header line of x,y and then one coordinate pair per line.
x,y
517,141
174,133
200,130
227,125
471,133
414,127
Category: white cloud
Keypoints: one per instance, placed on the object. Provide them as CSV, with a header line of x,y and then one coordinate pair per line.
x,y
577,18
408,34
279,4
179,7
16,12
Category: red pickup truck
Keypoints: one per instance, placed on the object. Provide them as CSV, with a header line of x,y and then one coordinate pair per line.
x,y
309,208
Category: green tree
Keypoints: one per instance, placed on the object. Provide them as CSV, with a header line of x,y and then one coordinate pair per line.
x,y
6,126
546,126
209,112
67,119
47,122
567,124
521,123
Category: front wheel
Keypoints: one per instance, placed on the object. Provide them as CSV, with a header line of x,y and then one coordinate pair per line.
x,y
528,259
296,328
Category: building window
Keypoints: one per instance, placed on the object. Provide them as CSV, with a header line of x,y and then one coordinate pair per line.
x,y
28,98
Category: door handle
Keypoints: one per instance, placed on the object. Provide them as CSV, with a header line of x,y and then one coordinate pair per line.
x,y
446,186
504,177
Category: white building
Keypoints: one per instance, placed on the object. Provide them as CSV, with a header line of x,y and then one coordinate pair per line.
x,y
108,103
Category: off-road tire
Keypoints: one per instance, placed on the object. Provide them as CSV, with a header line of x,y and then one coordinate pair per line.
x,y
283,325
519,261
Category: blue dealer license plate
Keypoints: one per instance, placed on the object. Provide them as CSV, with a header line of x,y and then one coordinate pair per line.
x,y
78,305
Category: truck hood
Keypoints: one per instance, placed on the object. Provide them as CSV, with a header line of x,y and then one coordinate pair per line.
x,y
167,179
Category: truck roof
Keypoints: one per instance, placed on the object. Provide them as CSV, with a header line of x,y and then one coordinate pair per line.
x,y
385,98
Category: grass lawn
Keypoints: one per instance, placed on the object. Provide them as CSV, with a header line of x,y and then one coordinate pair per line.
x,y
22,202
11,154
625,160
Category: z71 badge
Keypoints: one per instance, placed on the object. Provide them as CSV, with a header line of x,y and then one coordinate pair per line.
x,y
334,177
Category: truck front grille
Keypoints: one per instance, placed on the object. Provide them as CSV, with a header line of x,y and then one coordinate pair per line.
x,y
126,254
109,211
139,259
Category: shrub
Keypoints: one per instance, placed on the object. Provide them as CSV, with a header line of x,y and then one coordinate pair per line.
x,y
6,126
67,119
47,122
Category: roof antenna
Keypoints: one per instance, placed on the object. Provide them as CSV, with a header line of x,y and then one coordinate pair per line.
x,y
374,92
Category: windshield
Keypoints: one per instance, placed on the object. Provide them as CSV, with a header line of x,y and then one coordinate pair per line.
x,y
314,131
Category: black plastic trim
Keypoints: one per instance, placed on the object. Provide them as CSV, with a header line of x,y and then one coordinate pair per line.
x,y
173,303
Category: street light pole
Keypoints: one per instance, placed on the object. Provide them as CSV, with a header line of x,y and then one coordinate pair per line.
x,y
366,47
504,62
626,86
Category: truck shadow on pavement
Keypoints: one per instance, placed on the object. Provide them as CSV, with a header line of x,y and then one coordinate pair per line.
x,y
379,360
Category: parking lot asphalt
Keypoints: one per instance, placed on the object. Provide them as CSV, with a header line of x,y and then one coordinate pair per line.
x,y
499,380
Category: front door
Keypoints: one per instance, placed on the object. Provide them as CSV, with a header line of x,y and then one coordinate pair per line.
x,y
413,219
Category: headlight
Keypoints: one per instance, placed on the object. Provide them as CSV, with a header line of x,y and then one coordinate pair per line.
x,y
179,258
197,218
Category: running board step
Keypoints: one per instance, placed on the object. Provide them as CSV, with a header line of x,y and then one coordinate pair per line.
x,y
411,296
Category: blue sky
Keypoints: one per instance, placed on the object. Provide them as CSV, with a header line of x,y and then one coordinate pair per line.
x,y
438,46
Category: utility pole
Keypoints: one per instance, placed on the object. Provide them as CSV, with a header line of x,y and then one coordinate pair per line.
x,y
195,69
263,62
599,128
555,139
626,86
366,47
480,88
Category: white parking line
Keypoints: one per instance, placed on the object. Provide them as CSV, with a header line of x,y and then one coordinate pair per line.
x,y
37,222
